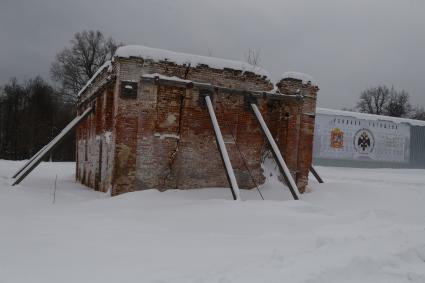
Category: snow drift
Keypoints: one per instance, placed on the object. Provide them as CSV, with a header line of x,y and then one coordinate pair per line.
x,y
363,225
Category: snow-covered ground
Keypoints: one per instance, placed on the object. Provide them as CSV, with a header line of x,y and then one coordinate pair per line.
x,y
363,225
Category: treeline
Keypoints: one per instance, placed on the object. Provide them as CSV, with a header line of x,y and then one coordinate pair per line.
x,y
382,100
32,113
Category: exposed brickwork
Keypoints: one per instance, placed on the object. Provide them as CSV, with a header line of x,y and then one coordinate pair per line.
x,y
163,139
94,144
132,69
304,127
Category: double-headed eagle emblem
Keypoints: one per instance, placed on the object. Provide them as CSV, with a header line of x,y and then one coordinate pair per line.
x,y
364,141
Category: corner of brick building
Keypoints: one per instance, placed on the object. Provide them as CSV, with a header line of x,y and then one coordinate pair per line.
x,y
298,152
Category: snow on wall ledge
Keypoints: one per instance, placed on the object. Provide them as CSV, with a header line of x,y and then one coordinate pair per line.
x,y
107,65
305,78
185,58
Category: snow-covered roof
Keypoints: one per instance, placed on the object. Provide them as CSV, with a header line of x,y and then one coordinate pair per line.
x,y
305,78
194,60
325,111
185,58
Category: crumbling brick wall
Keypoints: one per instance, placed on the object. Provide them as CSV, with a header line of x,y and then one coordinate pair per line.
x,y
95,144
298,127
163,137
176,142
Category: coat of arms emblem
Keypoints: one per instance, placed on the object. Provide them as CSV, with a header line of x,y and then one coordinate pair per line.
x,y
337,138
364,141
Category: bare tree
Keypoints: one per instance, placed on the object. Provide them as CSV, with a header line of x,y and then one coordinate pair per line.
x,y
74,66
253,57
209,52
373,100
398,104
418,113
382,100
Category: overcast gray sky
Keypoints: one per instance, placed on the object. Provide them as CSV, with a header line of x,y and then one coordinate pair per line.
x,y
347,45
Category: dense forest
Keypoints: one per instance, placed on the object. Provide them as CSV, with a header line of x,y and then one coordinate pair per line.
x,y
32,113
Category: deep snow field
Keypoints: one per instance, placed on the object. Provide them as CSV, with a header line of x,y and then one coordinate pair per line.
x,y
362,225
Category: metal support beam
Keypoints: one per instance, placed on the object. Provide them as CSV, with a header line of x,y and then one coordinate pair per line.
x,y
223,151
276,154
34,161
316,175
29,161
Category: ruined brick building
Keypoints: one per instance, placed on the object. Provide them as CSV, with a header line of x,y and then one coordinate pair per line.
x,y
150,127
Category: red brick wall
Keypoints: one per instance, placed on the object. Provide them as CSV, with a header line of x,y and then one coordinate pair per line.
x,y
163,139
303,127
94,143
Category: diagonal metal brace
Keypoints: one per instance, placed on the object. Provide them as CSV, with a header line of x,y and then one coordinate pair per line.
x,y
276,154
316,175
36,160
223,151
